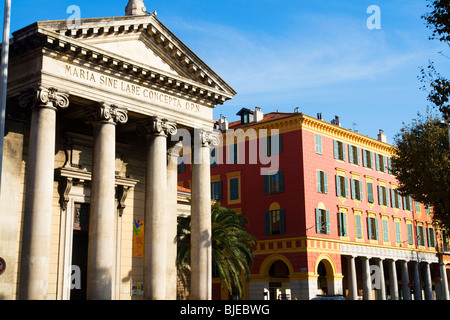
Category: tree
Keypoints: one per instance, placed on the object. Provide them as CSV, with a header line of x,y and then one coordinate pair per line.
x,y
232,247
422,166
438,21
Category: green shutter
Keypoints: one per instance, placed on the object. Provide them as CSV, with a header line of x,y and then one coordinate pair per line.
x,y
280,143
325,182
336,149
380,196
370,192
364,154
318,142
350,154
393,198
377,162
344,223
266,184
397,232
409,229
267,222
319,181
353,188
358,156
328,221
282,222
361,193
377,235
280,181
338,186
344,152
385,231
318,220
358,226
369,228
346,188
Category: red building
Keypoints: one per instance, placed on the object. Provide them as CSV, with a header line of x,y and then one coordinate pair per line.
x,y
325,209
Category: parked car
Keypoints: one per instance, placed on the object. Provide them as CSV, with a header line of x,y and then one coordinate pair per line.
x,y
328,297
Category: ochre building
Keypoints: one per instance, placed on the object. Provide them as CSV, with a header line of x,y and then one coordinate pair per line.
x,y
325,211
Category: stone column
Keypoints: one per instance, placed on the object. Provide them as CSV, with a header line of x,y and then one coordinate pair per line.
x,y
381,281
156,131
367,281
103,214
444,281
427,282
405,281
417,282
172,192
37,219
393,280
352,284
201,261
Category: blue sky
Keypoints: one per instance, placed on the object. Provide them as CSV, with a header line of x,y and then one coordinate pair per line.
x,y
318,55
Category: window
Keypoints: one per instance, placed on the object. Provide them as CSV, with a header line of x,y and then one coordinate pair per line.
x,y
341,186
322,221
181,166
417,206
273,145
409,230
380,162
389,166
274,183
353,155
357,189
275,223
318,143
431,237
358,226
213,158
234,188
372,228
398,237
421,240
383,196
369,186
367,159
342,224
385,224
322,183
407,203
233,154
395,198
216,191
339,150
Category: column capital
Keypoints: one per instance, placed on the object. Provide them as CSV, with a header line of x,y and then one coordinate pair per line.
x,y
174,148
156,126
206,138
106,113
44,97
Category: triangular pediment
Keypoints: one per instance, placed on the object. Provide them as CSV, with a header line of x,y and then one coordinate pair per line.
x,y
145,41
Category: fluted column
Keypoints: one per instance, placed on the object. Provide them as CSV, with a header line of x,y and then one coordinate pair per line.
x,y
37,217
352,285
103,214
405,281
443,272
201,260
381,282
156,131
171,209
393,280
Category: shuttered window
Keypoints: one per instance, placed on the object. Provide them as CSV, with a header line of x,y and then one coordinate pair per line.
x,y
322,181
274,183
323,221
318,143
275,222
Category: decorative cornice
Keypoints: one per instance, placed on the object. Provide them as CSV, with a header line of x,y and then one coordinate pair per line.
x,y
45,98
156,126
103,112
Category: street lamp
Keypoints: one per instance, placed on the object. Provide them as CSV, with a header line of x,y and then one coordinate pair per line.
x,y
444,123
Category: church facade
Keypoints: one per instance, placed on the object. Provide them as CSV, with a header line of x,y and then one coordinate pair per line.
x,y
97,114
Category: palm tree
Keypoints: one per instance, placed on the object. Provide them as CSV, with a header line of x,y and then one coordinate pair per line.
x,y
232,247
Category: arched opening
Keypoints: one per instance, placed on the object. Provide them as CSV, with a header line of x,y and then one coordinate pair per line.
x,y
322,278
325,271
279,286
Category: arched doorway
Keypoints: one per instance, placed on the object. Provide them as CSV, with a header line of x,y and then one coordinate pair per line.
x,y
328,280
277,270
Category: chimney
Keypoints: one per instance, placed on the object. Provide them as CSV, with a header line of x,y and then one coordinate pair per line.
x,y
382,136
336,121
258,115
135,8
223,124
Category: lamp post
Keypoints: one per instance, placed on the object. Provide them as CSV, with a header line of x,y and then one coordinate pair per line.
x,y
444,123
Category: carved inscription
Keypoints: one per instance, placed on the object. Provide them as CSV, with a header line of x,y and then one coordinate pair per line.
x,y
130,88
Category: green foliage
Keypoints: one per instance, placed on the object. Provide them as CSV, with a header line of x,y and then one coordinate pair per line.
x,y
422,165
232,247
438,21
